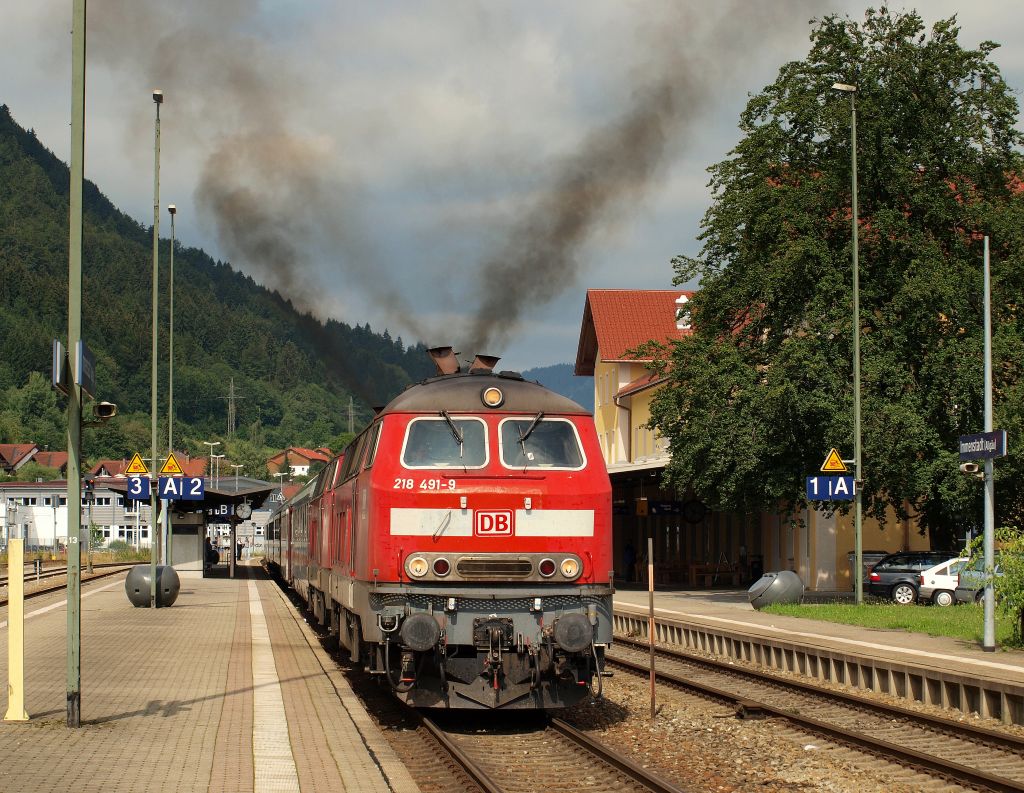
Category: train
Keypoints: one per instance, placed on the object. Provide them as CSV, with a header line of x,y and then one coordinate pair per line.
x,y
460,547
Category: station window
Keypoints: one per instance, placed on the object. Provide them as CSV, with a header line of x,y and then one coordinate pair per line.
x,y
62,501
47,501
144,534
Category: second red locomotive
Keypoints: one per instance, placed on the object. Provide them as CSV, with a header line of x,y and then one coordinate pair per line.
x,y
461,545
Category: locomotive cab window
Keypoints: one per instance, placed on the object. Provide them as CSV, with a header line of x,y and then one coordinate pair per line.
x,y
445,442
540,442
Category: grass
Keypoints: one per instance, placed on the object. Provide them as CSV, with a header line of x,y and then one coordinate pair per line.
x,y
958,622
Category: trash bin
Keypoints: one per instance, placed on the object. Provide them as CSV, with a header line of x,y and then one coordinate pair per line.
x,y
869,559
137,585
781,587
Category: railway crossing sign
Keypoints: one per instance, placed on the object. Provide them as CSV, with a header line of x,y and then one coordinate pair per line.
x,y
136,466
834,464
830,488
171,466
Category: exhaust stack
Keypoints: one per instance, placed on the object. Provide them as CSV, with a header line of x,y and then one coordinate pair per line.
x,y
484,363
444,360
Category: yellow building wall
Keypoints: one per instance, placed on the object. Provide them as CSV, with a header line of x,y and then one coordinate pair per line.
x,y
616,440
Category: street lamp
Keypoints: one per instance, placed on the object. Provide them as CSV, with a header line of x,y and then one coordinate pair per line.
x,y
154,545
211,444
216,476
858,471
236,466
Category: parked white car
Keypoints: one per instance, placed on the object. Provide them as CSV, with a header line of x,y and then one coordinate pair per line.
x,y
938,583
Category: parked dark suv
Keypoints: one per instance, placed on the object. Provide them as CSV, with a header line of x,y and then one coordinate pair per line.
x,y
896,576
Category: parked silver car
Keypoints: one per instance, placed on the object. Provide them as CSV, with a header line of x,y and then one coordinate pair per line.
x,y
971,582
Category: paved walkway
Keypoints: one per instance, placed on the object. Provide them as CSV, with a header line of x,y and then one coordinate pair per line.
x,y
731,610
228,690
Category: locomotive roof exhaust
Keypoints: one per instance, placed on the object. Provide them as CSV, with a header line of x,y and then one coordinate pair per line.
x,y
444,360
484,363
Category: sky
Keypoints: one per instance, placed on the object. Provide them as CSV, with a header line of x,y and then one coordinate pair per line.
x,y
455,172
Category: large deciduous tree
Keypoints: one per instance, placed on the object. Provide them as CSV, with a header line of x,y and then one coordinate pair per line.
x,y
764,387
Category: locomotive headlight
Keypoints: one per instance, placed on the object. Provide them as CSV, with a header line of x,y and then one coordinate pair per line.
x,y
417,566
546,567
492,397
570,568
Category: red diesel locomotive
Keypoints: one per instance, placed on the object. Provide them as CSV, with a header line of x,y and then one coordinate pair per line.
x,y
461,545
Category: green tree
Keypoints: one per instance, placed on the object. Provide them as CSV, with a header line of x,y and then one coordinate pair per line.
x,y
33,471
763,387
251,457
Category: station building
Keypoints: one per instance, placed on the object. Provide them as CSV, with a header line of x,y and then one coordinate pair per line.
x,y
695,546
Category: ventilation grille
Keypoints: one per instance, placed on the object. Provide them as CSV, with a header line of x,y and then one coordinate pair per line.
x,y
488,567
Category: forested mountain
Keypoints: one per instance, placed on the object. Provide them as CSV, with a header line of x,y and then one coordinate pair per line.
x,y
293,374
559,377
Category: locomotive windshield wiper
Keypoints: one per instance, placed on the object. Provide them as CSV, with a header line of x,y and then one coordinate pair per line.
x,y
529,430
456,432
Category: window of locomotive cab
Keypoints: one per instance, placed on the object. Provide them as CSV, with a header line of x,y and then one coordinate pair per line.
x,y
430,443
353,453
371,444
553,443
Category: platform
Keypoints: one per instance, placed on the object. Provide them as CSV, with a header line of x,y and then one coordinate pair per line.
x,y
227,690
942,671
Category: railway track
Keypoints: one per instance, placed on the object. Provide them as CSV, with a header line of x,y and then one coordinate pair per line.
x,y
550,755
957,751
512,752
108,569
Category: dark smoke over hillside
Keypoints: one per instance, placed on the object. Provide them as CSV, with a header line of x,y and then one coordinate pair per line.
x,y
286,204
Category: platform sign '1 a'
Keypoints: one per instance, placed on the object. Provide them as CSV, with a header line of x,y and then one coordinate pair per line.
x,y
830,488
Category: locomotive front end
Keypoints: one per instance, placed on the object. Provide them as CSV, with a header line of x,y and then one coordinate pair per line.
x,y
493,551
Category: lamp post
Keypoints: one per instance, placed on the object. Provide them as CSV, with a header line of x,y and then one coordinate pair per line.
x,y
216,475
211,444
858,510
154,545
236,466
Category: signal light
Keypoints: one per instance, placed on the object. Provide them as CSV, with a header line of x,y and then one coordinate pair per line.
x,y
546,567
442,567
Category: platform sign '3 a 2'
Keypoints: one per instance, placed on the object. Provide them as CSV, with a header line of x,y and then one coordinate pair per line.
x,y
493,523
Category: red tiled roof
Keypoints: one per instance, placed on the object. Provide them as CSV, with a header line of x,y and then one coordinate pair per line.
x,y
52,459
13,455
616,320
647,380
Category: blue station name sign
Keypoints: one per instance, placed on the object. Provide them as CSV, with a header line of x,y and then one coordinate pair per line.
x,y
983,445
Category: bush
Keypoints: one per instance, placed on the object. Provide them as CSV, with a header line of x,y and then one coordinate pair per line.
x,y
1009,586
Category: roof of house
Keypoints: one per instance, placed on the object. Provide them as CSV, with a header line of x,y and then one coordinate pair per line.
x,y
14,455
646,380
617,320
321,455
52,459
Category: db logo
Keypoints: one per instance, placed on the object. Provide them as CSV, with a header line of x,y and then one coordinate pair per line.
x,y
496,523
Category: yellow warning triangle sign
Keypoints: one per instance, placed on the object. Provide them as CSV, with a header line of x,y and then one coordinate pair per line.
x,y
171,467
834,464
136,466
